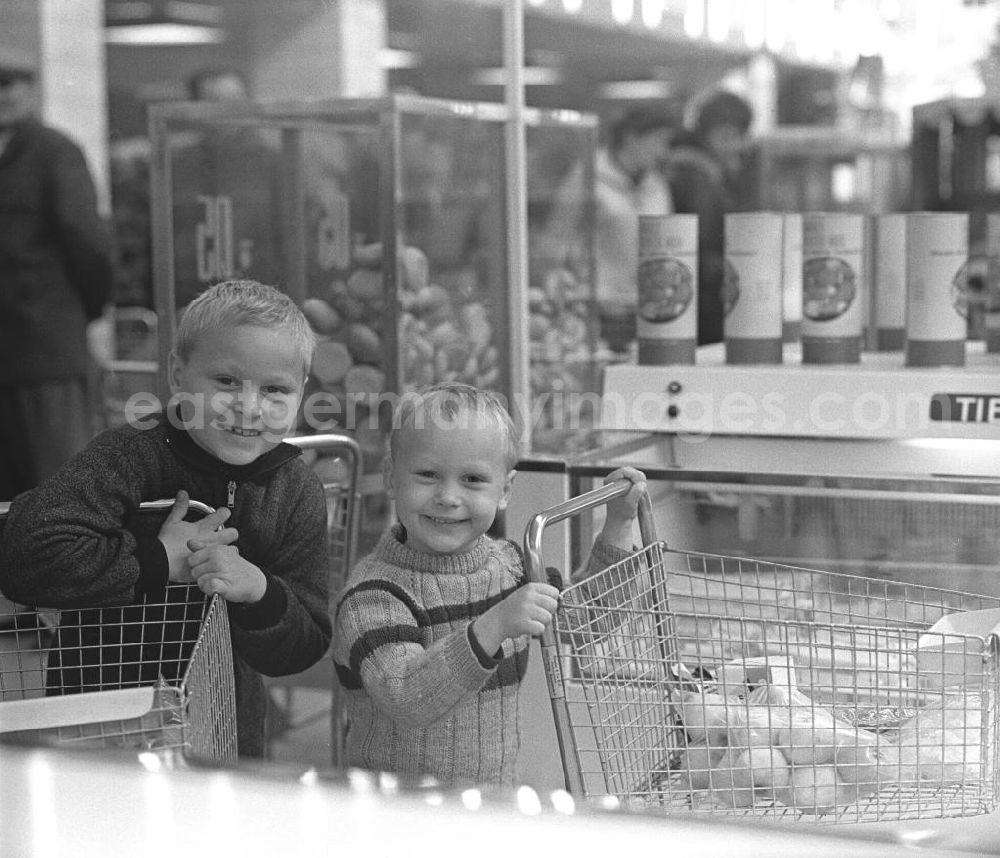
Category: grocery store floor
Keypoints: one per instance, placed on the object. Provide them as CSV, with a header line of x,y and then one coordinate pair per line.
x,y
302,734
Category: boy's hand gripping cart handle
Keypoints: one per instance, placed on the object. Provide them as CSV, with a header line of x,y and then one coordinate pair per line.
x,y
162,505
535,570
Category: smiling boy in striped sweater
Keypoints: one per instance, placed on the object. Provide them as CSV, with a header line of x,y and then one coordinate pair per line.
x,y
432,628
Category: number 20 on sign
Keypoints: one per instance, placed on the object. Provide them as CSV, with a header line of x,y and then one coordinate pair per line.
x,y
214,238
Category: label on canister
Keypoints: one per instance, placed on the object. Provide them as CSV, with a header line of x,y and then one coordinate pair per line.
x,y
992,246
890,271
752,297
667,320
936,299
991,318
937,302
791,269
832,266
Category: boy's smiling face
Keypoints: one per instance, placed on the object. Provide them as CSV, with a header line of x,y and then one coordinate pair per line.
x,y
239,390
448,481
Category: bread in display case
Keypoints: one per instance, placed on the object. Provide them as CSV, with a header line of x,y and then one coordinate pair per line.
x,y
386,220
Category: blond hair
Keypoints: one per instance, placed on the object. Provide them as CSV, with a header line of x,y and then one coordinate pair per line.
x,y
243,302
449,404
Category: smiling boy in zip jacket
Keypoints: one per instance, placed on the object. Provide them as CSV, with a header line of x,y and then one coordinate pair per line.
x,y
237,375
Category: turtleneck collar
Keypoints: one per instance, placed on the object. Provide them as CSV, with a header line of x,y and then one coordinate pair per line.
x,y
187,449
393,549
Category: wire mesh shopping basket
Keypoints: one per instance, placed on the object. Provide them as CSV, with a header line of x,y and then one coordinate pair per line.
x,y
153,676
695,682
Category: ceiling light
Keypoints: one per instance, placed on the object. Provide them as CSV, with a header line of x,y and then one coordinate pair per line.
x,y
397,58
720,14
163,34
162,22
694,19
636,90
531,75
652,13
623,10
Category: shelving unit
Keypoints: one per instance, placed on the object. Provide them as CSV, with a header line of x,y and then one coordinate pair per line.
x,y
819,168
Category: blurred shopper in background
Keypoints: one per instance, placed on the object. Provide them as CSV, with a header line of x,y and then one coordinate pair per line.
x,y
706,163
629,180
55,277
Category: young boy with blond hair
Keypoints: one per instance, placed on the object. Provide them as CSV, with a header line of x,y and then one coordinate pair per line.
x,y
432,628
237,375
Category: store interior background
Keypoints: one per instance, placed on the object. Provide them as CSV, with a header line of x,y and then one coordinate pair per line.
x,y
836,81
843,64
827,78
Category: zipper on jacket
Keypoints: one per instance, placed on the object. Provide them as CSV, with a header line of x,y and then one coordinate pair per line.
x,y
231,494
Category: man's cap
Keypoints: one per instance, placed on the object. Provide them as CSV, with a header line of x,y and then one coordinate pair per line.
x,y
15,62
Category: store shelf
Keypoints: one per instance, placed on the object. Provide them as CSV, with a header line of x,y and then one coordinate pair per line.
x,y
879,397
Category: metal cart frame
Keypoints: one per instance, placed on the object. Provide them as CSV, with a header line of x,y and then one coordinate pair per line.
x,y
157,676
635,652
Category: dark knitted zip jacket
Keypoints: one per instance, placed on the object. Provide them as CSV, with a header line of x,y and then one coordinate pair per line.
x,y
77,541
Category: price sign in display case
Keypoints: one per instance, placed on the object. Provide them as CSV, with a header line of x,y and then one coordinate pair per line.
x,y
386,220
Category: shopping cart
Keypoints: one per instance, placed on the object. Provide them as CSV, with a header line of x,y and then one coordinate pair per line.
x,y
127,380
694,682
155,676
342,458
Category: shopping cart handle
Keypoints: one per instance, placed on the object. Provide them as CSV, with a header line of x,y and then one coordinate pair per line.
x,y
167,503
145,506
534,567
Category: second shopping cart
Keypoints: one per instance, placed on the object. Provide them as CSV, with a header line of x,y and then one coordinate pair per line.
x,y
687,681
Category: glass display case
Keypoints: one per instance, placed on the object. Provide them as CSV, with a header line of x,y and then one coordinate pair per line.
x,y
386,220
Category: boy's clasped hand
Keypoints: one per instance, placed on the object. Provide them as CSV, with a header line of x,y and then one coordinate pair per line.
x,y
204,553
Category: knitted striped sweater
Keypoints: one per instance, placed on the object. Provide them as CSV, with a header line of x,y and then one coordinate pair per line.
x,y
422,697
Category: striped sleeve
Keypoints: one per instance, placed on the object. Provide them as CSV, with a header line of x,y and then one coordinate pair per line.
x,y
603,555
384,645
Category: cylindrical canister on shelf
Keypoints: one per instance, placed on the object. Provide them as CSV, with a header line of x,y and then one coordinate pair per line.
x,y
890,282
832,287
791,278
751,291
937,249
667,321
992,315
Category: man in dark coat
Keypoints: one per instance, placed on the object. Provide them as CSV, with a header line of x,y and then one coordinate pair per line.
x,y
55,276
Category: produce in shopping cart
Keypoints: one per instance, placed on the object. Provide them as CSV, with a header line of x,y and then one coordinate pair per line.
x,y
867,766
816,790
773,745
941,743
706,716
696,763
731,781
